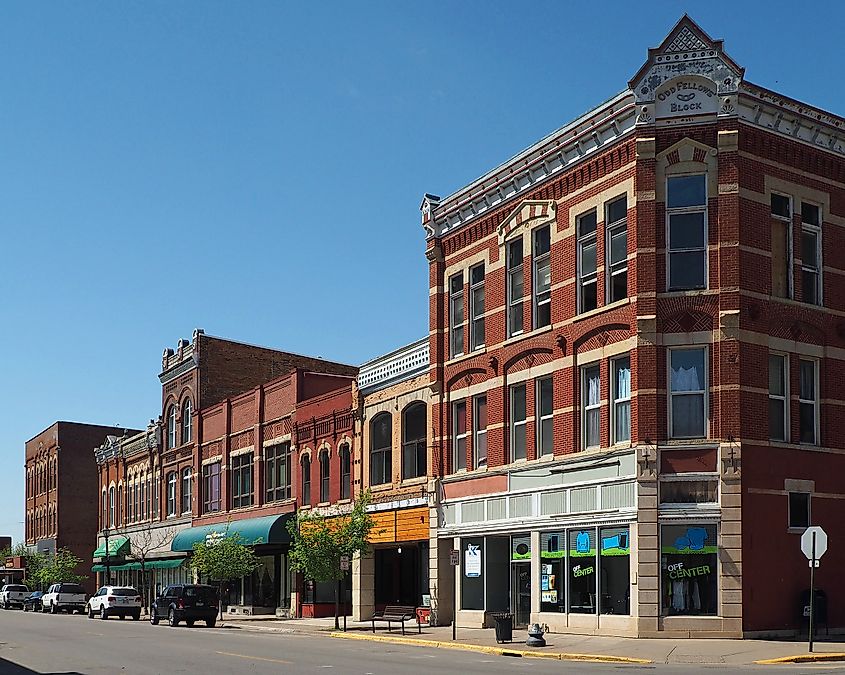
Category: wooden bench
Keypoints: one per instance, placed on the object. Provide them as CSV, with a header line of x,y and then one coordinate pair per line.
x,y
396,613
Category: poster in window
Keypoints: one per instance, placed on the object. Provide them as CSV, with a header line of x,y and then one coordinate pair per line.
x,y
472,561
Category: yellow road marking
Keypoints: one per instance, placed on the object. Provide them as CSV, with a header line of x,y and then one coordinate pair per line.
x,y
256,658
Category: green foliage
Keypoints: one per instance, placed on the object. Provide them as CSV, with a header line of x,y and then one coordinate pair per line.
x,y
48,569
319,541
224,558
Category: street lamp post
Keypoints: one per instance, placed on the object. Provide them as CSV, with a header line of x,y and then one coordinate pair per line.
x,y
108,566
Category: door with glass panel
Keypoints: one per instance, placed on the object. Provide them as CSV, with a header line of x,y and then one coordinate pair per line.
x,y
521,593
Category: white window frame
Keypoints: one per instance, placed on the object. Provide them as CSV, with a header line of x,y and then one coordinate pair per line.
x,y
593,278
618,400
611,229
815,402
539,261
171,427
680,210
476,314
171,494
817,269
585,407
458,437
790,257
456,300
784,398
513,424
478,432
705,392
540,418
187,494
515,305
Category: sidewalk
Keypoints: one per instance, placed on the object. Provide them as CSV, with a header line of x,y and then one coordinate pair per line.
x,y
710,652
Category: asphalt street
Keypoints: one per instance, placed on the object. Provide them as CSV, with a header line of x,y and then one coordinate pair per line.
x,y
42,643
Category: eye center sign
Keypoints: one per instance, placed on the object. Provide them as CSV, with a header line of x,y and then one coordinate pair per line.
x,y
685,96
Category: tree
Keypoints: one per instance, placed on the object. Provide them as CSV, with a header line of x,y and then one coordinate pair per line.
x,y
145,541
223,558
58,568
319,541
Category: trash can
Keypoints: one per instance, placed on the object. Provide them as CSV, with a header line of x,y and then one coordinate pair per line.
x,y
504,626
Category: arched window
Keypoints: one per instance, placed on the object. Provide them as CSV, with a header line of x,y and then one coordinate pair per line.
x,y
187,411
120,504
171,427
171,493
414,441
187,492
105,509
324,476
345,472
306,480
111,506
381,432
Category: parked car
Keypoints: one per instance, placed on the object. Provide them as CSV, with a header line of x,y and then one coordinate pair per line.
x,y
13,595
32,602
188,603
119,601
69,597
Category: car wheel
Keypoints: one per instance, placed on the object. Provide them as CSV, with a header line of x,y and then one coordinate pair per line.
x,y
24,608
211,622
153,617
90,612
121,616
171,618
103,614
53,609
189,623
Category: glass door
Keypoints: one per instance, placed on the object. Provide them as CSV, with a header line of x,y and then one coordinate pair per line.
x,y
521,593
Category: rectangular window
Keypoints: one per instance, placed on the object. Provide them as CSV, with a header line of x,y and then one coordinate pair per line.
x,y
778,397
479,430
686,214
515,287
621,411
809,402
187,492
544,392
799,510
615,579
781,207
689,569
616,217
277,472
542,277
581,577
459,435
811,254
476,306
587,293
456,315
591,406
517,422
688,393
345,472
242,480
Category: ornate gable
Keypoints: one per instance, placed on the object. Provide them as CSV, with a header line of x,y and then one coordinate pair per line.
x,y
529,213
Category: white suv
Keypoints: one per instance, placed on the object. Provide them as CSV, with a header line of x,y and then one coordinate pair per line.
x,y
119,601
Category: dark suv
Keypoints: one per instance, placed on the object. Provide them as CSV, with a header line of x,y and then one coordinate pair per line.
x,y
188,603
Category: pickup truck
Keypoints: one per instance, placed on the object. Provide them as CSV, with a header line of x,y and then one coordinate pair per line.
x,y
13,595
66,596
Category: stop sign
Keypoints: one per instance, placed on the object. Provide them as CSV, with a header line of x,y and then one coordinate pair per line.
x,y
807,542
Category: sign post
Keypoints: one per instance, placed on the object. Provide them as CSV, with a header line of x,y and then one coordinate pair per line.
x,y
344,567
454,561
814,546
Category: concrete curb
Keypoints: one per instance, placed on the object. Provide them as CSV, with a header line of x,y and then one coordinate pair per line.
x,y
498,651
804,658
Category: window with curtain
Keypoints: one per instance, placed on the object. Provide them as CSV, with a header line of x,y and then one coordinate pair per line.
x,y
414,441
325,473
187,411
621,422
591,405
542,277
381,439
187,489
688,393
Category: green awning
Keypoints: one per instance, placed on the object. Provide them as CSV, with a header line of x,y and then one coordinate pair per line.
x,y
265,530
118,546
148,565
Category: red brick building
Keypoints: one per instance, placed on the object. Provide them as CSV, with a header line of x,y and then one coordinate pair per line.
x,y
636,329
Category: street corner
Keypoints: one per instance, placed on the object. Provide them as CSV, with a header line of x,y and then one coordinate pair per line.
x,y
803,658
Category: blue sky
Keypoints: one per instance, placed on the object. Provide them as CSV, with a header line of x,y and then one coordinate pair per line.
x,y
255,169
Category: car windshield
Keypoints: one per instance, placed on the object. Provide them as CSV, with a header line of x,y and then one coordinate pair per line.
x,y
36,594
17,588
123,591
200,593
70,588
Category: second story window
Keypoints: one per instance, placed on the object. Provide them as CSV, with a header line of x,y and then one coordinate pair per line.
x,y
808,401
277,472
459,435
456,315
171,494
811,254
187,489
479,431
591,405
688,393
241,480
306,480
325,476
515,290
686,214
778,397
621,412
414,445
187,410
518,418
476,307
171,427
112,506
381,441
781,209
544,394
345,472
542,277
616,217
587,292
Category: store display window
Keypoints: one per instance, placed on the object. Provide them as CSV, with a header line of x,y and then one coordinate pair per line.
x,y
615,566
552,566
689,570
582,571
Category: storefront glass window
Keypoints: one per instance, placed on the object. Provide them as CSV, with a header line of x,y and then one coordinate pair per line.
x,y
552,566
615,565
472,573
582,571
689,569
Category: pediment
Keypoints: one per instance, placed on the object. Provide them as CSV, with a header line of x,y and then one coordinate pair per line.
x,y
529,213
